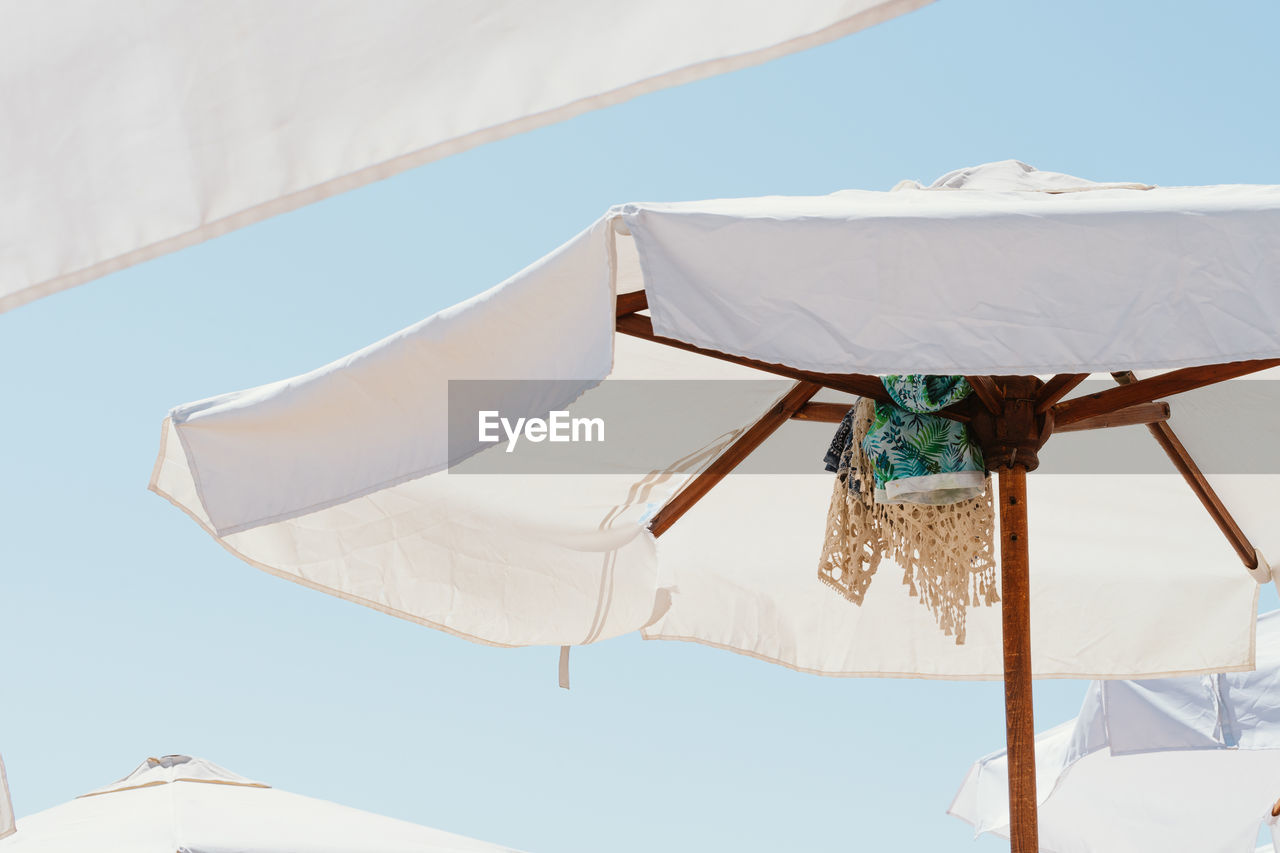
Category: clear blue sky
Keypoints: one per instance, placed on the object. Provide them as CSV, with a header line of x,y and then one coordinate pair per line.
x,y
127,632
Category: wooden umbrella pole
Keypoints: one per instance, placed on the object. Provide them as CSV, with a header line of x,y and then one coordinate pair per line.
x,y
1010,435
1015,606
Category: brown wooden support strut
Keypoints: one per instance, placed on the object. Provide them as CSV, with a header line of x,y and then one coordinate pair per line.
x,y
631,302
1147,390
640,326
825,413
860,384
1195,478
732,457
1143,413
988,392
1057,388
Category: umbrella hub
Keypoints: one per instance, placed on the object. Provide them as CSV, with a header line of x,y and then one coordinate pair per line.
x,y
1014,434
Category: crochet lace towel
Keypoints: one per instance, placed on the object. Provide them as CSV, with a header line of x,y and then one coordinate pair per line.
x,y
946,552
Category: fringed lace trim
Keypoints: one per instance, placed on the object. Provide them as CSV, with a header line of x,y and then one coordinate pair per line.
x,y
946,552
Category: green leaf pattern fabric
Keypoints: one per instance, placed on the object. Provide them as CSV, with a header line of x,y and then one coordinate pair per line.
x,y
917,456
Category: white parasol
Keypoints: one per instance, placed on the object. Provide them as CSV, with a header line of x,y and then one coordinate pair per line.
x,y
182,803
134,129
339,479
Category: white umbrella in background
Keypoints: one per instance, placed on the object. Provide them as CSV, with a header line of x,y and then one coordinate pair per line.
x,y
1273,823
192,805
6,805
337,479
1173,764
133,129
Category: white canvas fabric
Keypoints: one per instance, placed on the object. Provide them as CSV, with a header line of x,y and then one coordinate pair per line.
x,y
990,278
187,804
136,128
334,479
1181,764
6,804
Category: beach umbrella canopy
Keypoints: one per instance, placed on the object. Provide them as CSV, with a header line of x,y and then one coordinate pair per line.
x,y
1162,764
132,129
183,803
365,478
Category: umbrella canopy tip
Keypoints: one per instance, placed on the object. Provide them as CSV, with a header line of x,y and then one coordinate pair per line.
x,y
176,768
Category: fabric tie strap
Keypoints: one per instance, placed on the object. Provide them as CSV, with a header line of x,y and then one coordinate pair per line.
x,y
564,667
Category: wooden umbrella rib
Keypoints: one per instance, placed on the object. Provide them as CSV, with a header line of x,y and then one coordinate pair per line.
x,y
631,302
1057,388
1147,390
732,457
988,392
860,384
1195,478
640,326
826,413
1142,413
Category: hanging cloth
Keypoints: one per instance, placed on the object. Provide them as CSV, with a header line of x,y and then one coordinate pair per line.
x,y
946,551
919,457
